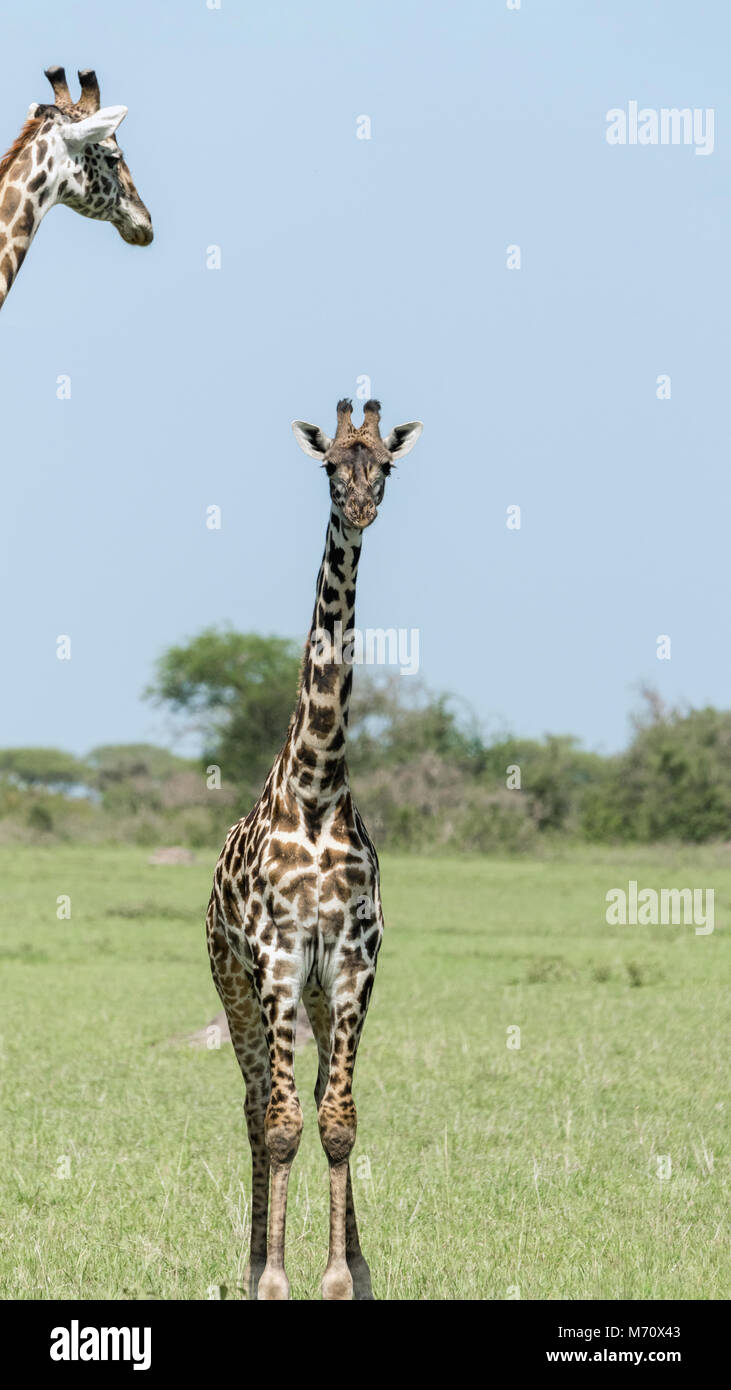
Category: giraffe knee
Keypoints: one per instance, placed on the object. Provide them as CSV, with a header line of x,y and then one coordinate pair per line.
x,y
338,1123
283,1128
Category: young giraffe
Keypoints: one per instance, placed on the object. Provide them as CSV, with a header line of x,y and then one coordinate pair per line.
x,y
66,153
296,909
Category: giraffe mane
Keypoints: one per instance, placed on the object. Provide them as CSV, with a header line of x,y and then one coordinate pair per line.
x,y
300,678
28,133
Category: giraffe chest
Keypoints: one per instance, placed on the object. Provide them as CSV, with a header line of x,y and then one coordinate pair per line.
x,y
316,886
306,899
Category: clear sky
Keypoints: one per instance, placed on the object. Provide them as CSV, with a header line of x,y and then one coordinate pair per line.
x,y
343,257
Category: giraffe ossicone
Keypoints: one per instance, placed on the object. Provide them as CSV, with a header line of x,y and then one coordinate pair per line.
x,y
295,911
66,153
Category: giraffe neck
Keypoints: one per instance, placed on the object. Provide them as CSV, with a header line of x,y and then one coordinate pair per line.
x,y
28,187
314,755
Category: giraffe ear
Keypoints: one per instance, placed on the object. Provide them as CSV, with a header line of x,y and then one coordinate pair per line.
x,y
311,439
93,129
402,439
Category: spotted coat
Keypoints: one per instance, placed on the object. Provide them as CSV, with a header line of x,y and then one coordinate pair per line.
x,y
295,912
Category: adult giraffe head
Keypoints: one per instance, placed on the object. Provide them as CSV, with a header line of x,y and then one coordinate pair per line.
x,y
357,460
66,153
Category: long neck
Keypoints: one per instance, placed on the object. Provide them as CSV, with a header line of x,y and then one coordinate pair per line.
x,y
314,755
27,191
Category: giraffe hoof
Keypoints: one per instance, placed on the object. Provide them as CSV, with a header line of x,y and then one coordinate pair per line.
x,y
337,1284
273,1285
361,1276
252,1275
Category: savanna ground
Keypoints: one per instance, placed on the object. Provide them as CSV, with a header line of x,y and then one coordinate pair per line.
x,y
481,1170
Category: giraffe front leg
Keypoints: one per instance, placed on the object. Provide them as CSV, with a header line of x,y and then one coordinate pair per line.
x,y
243,1013
318,1012
282,1130
273,1283
255,1110
337,1281
347,1275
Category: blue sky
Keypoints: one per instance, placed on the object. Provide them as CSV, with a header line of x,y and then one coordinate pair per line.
x,y
385,257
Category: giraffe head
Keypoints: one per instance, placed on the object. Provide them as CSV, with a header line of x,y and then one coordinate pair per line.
x,y
357,461
73,144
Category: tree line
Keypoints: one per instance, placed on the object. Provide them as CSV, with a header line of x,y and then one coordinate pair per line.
x,y
424,774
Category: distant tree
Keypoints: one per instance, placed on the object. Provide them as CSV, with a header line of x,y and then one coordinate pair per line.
x,y
43,767
673,782
237,690
392,722
555,773
118,762
135,777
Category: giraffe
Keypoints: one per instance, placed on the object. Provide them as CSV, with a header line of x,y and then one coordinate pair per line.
x,y
66,153
295,910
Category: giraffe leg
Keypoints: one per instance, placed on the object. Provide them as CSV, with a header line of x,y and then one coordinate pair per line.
x,y
255,1109
247,1035
357,1264
337,1119
283,1120
319,1014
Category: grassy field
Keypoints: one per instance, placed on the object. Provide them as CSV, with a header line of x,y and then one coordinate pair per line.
x,y
484,1171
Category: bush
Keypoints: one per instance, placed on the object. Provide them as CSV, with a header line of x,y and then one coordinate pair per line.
x,y
40,818
425,804
674,782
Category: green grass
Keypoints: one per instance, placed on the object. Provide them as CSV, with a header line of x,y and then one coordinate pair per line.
x,y
490,1168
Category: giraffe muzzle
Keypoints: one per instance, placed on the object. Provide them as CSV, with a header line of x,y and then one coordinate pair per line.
x,y
133,222
140,234
360,514
360,517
